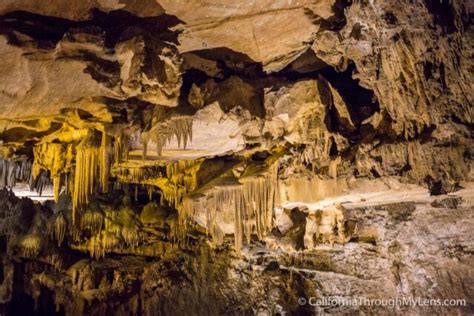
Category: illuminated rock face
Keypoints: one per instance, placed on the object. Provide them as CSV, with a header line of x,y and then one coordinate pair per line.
x,y
246,153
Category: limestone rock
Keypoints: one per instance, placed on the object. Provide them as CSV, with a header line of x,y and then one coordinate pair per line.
x,y
325,226
222,157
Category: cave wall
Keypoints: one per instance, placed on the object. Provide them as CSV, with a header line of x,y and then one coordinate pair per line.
x,y
191,140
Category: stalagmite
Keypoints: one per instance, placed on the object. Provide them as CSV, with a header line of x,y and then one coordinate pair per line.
x,y
60,227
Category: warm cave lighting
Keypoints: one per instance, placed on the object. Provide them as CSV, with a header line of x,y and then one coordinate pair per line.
x,y
270,157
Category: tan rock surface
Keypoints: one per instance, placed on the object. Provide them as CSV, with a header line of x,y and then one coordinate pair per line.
x,y
235,158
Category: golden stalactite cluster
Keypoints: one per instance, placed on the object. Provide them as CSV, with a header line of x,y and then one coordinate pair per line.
x,y
57,158
84,161
85,173
82,165
174,179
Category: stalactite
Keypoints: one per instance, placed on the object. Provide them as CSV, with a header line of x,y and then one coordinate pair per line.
x,y
149,191
104,162
75,232
182,175
55,158
69,182
133,173
30,245
81,168
92,169
112,231
12,171
121,147
318,151
183,172
85,174
92,221
24,172
251,201
8,174
39,183
175,179
102,243
57,186
180,127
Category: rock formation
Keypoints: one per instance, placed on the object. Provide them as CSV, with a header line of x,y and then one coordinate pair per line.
x,y
223,157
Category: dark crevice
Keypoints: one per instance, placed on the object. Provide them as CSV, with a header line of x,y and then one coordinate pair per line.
x,y
21,134
428,70
24,304
462,121
292,71
333,152
115,23
442,76
102,70
237,73
390,18
443,13
232,63
356,32
306,63
48,30
3,246
361,102
190,77
2,272
338,20
333,120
